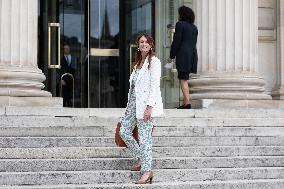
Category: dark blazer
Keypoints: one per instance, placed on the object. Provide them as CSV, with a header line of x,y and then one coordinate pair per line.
x,y
183,47
65,68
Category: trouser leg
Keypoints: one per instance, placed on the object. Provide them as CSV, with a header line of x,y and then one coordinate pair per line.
x,y
145,142
128,123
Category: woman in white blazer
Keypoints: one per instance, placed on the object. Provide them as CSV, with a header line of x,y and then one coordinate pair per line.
x,y
144,103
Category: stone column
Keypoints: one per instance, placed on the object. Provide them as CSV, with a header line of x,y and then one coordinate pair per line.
x,y
227,49
20,78
278,93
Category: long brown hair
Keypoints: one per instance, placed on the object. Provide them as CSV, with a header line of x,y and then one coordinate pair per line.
x,y
151,53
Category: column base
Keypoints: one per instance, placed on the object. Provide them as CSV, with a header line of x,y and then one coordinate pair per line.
x,y
235,86
22,82
31,101
278,94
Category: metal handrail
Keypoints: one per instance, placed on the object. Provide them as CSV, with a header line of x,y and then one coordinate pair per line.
x,y
58,65
73,86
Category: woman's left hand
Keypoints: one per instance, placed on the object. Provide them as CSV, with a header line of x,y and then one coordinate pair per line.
x,y
147,113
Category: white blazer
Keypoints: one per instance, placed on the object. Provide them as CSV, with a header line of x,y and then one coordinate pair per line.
x,y
147,88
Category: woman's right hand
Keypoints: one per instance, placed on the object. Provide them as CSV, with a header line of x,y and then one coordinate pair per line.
x,y
169,60
147,113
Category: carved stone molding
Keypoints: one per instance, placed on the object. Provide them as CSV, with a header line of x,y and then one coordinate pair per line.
x,y
267,20
278,92
228,51
19,74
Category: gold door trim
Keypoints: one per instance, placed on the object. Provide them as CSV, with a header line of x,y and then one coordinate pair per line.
x,y
104,52
58,65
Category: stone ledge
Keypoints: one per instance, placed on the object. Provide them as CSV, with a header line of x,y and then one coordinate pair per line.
x,y
235,184
122,176
275,110
30,101
237,104
57,111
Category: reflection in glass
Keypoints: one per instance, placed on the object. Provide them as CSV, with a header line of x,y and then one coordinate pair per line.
x,y
71,16
99,25
104,23
72,20
138,18
104,70
104,82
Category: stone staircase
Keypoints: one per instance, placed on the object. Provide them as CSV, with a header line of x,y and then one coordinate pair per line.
x,y
193,149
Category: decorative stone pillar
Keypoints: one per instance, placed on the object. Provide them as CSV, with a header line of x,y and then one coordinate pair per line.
x,y
278,93
227,49
20,78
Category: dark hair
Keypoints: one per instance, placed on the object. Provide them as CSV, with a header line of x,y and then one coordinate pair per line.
x,y
151,53
186,14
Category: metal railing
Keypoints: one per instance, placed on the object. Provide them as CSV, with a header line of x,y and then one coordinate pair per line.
x,y
73,87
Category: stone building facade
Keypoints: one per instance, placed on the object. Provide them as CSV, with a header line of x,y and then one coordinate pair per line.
x,y
240,46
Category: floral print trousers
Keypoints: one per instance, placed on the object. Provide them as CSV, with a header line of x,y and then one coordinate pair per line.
x,y
143,150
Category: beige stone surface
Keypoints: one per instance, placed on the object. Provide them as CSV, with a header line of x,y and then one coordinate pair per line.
x,y
58,111
20,78
278,92
228,51
71,152
220,104
31,101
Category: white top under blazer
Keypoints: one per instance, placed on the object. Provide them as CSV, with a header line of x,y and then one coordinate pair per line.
x,y
147,88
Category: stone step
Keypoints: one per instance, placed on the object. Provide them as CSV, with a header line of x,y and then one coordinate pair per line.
x,y
37,165
42,142
127,177
197,131
115,152
38,121
231,184
116,112
90,131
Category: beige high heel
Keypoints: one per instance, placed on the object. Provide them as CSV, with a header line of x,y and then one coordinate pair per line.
x,y
146,177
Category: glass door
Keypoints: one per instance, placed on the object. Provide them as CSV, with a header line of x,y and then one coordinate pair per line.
x,y
86,48
104,66
62,49
167,14
138,18
114,26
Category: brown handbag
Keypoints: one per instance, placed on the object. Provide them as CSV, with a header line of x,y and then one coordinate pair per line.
x,y
118,140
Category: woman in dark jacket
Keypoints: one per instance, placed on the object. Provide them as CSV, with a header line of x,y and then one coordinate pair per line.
x,y
183,48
